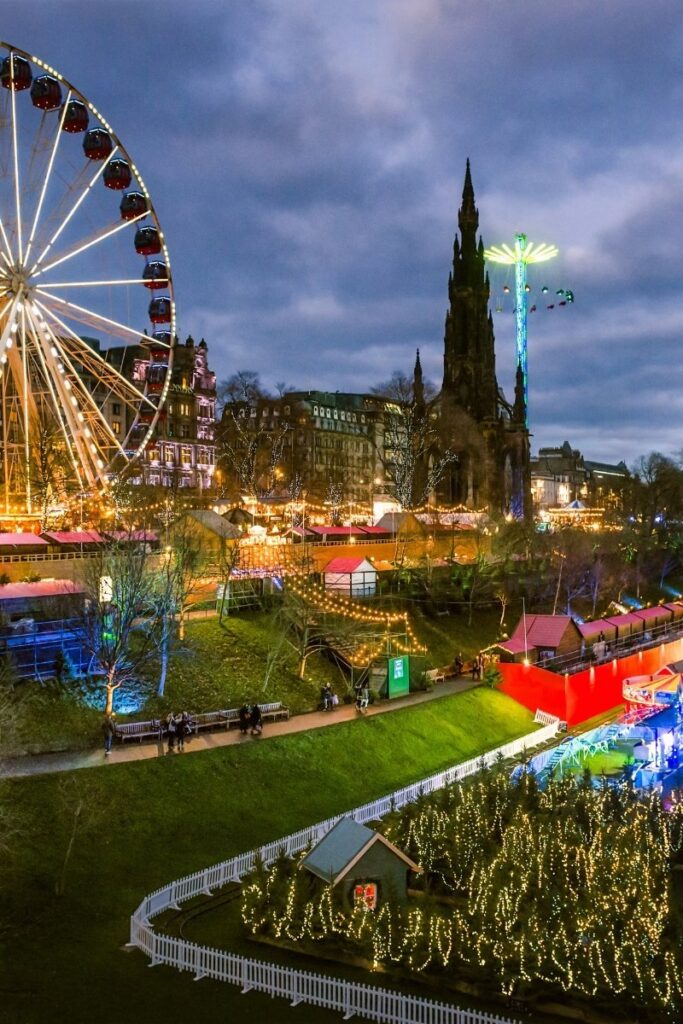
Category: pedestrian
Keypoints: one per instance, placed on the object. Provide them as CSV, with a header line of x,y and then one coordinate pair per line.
x,y
363,697
358,689
179,722
458,664
256,721
187,724
244,717
109,731
170,729
326,697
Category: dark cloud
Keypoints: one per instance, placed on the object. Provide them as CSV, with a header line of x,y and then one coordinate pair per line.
x,y
306,161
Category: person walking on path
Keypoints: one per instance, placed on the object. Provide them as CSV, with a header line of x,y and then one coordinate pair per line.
x,y
109,731
171,730
256,721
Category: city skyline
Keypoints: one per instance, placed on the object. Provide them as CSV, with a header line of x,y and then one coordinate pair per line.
x,y
307,163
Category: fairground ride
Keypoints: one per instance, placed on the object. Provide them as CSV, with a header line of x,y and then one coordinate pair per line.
x,y
84,269
520,256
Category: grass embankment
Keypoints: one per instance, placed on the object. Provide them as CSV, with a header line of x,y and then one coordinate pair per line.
x,y
220,666
145,823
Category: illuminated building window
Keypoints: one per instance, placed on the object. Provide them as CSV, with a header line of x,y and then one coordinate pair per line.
x,y
365,893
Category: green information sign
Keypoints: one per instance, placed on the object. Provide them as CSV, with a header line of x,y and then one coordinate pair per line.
x,y
399,676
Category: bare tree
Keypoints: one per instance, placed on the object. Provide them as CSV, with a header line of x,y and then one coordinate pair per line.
x,y
408,443
243,386
250,451
122,617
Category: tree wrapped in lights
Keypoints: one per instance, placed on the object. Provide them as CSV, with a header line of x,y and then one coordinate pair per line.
x,y
565,890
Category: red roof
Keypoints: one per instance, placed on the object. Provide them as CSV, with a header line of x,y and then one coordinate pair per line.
x,y
336,531
628,619
347,565
515,645
45,588
588,629
376,531
675,606
75,537
21,539
647,614
543,630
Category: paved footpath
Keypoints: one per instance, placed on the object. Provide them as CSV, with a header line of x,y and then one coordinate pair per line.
x,y
45,764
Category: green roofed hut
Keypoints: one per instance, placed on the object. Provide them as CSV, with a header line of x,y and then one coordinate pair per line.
x,y
364,862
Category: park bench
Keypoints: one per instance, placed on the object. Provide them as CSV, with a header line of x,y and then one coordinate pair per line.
x,y
213,720
138,730
435,675
205,720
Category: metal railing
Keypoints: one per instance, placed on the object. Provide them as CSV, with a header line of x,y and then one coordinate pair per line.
x,y
583,658
349,998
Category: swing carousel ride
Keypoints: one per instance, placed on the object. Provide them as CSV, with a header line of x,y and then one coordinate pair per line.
x,y
84,269
521,255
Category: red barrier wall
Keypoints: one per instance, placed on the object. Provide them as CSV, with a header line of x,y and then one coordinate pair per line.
x,y
575,698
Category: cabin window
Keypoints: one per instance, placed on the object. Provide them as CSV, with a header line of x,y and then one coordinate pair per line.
x,y
365,894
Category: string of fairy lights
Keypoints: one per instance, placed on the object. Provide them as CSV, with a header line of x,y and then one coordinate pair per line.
x,y
391,626
570,887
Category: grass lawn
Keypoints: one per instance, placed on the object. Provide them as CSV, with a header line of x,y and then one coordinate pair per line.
x,y
220,666
145,823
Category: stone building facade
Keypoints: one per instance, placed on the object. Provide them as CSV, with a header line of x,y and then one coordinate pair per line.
x,y
182,452
487,432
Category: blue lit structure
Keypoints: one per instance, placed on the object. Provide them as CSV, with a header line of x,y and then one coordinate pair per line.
x,y
523,253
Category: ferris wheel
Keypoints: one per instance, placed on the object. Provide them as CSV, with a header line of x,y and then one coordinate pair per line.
x,y
84,271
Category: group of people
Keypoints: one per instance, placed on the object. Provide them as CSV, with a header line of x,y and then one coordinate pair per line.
x,y
251,719
476,668
178,728
328,698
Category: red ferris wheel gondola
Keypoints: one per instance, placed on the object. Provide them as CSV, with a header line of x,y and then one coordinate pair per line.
x,y
15,71
147,241
75,117
155,275
46,93
117,174
132,205
97,144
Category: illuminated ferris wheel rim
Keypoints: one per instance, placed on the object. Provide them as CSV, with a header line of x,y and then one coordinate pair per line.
x,y
33,318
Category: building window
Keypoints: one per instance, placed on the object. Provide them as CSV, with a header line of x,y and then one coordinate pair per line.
x,y
365,895
116,409
116,427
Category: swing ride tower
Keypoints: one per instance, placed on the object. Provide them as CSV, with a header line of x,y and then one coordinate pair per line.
x,y
520,256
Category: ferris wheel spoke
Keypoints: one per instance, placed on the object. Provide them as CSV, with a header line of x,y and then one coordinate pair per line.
x,y
99,284
99,237
58,406
96,319
84,194
48,175
118,384
76,397
7,253
15,150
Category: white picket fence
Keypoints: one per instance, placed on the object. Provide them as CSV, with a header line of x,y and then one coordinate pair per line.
x,y
349,998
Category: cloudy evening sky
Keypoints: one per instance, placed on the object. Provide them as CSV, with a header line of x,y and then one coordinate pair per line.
x,y
306,160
